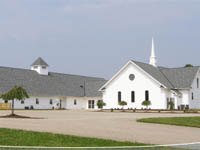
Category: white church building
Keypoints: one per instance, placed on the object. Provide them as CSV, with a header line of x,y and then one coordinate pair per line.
x,y
137,82
134,83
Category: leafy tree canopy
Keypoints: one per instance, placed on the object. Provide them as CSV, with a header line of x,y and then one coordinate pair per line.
x,y
17,92
188,65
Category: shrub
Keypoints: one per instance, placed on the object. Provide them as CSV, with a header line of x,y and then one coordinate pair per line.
x,y
146,103
122,103
111,110
171,105
100,104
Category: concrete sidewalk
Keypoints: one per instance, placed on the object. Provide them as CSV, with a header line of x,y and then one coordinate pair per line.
x,y
116,126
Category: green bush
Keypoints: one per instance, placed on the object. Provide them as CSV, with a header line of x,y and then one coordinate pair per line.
x,y
146,103
122,103
171,105
100,104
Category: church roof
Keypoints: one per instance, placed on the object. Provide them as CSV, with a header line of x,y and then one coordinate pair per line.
x,y
155,73
173,78
92,88
39,62
55,84
180,77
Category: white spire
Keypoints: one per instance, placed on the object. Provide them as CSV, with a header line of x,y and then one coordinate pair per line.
x,y
153,57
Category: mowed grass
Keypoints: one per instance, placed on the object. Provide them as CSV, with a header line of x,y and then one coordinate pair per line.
x,y
11,137
178,121
155,148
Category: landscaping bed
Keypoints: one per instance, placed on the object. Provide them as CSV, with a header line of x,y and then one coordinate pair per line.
x,y
151,111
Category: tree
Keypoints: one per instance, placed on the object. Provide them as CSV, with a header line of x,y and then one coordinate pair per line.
x,y
171,105
122,103
100,104
188,65
17,93
146,103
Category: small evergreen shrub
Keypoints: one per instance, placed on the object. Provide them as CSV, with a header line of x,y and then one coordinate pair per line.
x,y
171,105
100,104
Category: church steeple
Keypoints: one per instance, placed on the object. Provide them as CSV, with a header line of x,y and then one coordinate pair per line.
x,y
153,60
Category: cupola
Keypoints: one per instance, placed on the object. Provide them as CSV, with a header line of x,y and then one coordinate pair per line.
x,y
40,66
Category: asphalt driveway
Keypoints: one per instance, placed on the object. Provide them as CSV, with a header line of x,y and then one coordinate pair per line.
x,y
116,126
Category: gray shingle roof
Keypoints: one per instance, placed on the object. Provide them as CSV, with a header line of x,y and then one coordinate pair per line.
x,y
39,62
92,88
172,78
155,73
54,84
180,77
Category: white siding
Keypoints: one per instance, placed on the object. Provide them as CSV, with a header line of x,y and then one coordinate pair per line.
x,y
66,102
141,83
185,97
44,103
40,70
81,102
195,103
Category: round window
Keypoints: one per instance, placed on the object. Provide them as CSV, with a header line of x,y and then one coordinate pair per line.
x,y
131,77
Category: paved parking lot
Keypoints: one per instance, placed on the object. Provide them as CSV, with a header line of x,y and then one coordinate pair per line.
x,y
116,126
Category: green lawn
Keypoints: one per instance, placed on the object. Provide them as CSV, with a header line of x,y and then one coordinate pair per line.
x,y
29,138
178,121
11,137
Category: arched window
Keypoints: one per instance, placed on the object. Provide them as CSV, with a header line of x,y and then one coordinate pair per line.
x,y
197,82
119,96
146,95
132,96
50,101
37,101
192,96
75,102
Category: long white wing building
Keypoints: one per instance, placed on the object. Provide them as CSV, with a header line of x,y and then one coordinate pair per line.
x,y
137,82
49,90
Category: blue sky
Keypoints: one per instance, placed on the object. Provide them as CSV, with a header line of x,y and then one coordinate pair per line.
x,y
97,37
